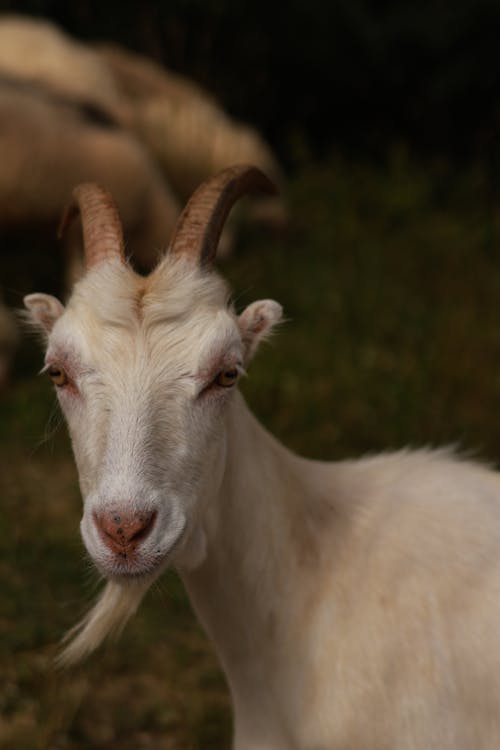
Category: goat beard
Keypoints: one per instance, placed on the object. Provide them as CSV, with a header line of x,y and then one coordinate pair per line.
x,y
118,602
115,605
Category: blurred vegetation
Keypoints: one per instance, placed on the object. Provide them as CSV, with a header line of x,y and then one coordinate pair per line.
x,y
390,280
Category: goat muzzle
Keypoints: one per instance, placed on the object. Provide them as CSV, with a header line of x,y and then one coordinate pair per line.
x,y
122,532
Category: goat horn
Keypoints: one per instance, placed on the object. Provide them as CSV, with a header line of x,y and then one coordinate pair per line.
x,y
101,225
199,226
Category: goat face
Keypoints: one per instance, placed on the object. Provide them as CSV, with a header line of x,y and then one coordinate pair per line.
x,y
144,371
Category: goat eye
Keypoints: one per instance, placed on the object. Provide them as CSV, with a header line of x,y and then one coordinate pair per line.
x,y
227,378
58,375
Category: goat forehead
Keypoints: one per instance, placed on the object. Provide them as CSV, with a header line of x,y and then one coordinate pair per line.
x,y
203,335
158,348
114,310
117,296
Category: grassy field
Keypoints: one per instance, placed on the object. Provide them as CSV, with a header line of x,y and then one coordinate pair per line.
x,y
390,280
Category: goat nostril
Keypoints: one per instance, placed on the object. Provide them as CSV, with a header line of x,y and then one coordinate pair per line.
x,y
146,524
125,537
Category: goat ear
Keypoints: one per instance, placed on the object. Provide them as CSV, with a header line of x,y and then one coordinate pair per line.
x,y
44,310
256,323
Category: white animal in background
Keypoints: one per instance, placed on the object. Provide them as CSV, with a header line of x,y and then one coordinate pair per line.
x,y
37,52
186,129
353,604
187,133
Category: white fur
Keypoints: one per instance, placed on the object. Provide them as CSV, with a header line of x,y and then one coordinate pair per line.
x,y
352,604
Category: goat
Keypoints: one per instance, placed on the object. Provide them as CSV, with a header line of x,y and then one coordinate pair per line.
x,y
353,604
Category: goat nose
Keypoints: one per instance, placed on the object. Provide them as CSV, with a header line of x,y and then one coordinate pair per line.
x,y
123,532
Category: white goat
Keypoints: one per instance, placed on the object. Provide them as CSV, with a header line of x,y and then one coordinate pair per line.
x,y
353,604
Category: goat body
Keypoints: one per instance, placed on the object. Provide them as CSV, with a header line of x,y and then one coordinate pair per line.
x,y
352,604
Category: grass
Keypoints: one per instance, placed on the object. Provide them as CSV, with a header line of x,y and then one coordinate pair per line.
x,y
390,279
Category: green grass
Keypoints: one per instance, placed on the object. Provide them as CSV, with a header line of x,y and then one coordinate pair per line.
x,y
390,280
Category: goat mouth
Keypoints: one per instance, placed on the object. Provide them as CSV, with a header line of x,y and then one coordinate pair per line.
x,y
135,566
142,566
144,570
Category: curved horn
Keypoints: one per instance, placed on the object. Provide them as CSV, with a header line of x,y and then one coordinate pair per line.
x,y
199,226
101,225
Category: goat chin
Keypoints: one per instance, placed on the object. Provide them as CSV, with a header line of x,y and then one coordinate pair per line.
x,y
116,604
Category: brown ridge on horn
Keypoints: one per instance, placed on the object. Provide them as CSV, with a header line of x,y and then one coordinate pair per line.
x,y
101,225
199,226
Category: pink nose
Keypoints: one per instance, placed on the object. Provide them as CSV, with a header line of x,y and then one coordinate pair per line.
x,y
123,532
